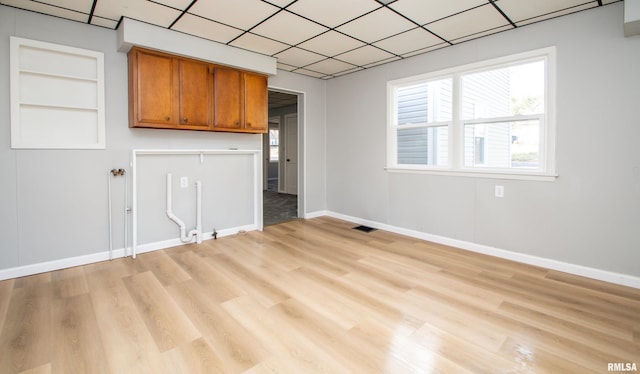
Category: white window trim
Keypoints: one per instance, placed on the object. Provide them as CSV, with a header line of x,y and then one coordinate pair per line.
x,y
19,140
455,165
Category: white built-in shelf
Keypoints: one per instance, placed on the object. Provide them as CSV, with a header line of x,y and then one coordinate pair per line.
x,y
57,96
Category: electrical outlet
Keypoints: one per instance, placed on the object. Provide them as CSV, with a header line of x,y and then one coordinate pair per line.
x,y
499,191
184,182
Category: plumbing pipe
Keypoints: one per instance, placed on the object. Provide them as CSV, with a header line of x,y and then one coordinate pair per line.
x,y
110,223
197,232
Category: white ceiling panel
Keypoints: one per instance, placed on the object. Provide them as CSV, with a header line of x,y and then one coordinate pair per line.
x,y
242,14
471,22
259,44
280,3
310,73
298,57
288,28
321,38
99,21
425,11
364,55
141,10
556,14
333,13
377,25
205,28
48,9
330,66
409,41
331,43
178,4
519,10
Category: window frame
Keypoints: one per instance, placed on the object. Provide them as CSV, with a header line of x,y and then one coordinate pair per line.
x,y
455,165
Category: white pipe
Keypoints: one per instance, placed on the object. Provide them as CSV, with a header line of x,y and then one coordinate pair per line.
x,y
110,223
134,205
197,232
126,211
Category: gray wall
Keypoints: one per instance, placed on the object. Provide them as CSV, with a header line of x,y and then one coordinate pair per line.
x,y
589,216
53,203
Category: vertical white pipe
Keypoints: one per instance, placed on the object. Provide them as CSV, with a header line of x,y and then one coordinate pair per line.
x,y
110,223
134,206
198,212
126,211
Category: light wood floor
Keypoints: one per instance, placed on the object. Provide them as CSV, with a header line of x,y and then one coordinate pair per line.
x,y
315,296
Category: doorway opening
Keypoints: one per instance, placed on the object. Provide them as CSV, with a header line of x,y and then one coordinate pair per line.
x,y
280,150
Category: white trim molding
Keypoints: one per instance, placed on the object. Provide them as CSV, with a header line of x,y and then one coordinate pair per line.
x,y
584,271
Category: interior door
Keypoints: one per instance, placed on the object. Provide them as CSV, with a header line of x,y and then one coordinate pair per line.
x,y
291,154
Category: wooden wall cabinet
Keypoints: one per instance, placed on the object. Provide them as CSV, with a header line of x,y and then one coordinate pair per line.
x,y
172,92
240,101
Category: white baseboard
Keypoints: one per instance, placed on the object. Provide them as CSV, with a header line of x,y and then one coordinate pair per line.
x,y
588,272
317,214
22,271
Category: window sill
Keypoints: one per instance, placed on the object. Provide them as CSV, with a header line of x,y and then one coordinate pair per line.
x,y
541,177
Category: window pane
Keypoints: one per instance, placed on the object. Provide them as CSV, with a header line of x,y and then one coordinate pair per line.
x,y
273,144
423,146
504,92
425,102
503,145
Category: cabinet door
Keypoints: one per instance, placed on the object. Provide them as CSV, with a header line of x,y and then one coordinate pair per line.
x,y
196,95
228,99
256,111
154,80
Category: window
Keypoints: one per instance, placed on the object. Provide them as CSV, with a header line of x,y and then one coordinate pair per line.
x,y
274,142
57,96
492,118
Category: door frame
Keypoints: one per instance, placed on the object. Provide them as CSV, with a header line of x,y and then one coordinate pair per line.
x,y
302,186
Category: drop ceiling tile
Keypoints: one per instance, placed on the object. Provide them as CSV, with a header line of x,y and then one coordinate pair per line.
x,y
409,41
481,34
205,28
242,14
347,72
386,60
310,73
83,6
425,11
365,55
285,67
48,9
288,28
298,57
332,13
259,44
280,3
141,10
104,22
518,10
330,66
178,4
425,50
377,25
609,1
556,14
468,23
331,43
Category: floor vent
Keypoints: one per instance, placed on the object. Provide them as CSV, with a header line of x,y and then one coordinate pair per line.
x,y
364,228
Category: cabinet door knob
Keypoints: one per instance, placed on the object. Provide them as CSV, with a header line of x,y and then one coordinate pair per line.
x,y
186,120
248,124
167,118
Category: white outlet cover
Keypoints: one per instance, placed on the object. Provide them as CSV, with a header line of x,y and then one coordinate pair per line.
x,y
499,191
184,182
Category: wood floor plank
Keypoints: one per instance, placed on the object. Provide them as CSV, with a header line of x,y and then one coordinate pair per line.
x,y
128,344
78,347
166,322
25,341
315,296
236,346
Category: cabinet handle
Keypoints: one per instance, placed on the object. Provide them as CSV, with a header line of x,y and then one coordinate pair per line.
x,y
167,118
237,123
186,120
248,124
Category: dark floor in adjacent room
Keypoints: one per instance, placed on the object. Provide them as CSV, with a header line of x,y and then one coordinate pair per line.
x,y
278,207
